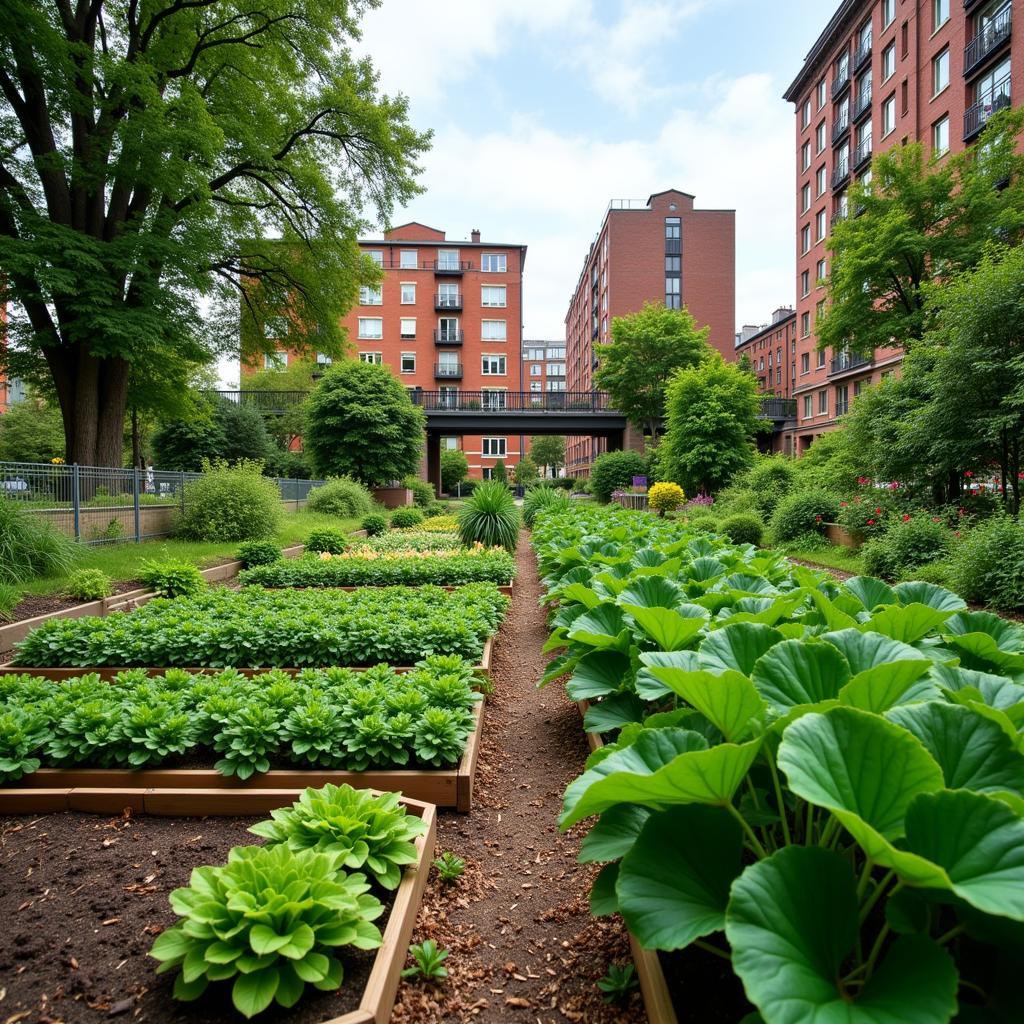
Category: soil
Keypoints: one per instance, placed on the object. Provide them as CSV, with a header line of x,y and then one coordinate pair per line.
x,y
45,604
84,898
704,988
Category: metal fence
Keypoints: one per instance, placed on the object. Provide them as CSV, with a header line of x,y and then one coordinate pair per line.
x,y
104,505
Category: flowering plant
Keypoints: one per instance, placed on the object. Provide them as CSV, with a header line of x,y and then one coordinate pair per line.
x,y
665,497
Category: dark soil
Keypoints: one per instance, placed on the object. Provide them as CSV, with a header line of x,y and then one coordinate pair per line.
x,y
84,898
32,605
704,988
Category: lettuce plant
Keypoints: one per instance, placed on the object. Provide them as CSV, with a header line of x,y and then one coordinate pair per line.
x,y
22,736
270,921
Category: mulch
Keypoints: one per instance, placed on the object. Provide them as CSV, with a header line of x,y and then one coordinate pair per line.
x,y
32,605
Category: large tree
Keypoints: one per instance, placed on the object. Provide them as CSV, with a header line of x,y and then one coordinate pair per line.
x,y
917,221
159,153
646,349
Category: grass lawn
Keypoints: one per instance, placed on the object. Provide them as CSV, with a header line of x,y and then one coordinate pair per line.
x,y
833,557
121,561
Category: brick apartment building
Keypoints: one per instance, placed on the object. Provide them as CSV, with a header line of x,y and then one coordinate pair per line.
x,y
663,250
771,351
883,72
447,318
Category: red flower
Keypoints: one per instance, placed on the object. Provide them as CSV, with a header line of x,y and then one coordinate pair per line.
x,y
871,522
968,474
817,519
906,518
961,511
842,504
878,511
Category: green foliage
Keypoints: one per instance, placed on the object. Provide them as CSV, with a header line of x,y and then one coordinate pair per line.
x,y
230,503
414,540
370,833
9,598
566,483
489,517
422,492
805,512
906,545
171,577
869,513
30,546
215,429
454,468
258,552
406,518
428,961
548,450
342,497
646,350
988,565
500,474
705,522
31,431
742,528
362,423
711,418
540,498
331,541
375,524
770,479
526,472
271,921
256,628
88,585
618,982
614,471
449,867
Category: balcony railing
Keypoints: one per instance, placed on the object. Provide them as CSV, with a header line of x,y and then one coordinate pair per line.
x,y
846,361
863,104
512,401
840,81
991,38
840,128
448,337
976,117
862,54
837,217
841,174
778,408
448,371
842,408
862,154
449,266
442,301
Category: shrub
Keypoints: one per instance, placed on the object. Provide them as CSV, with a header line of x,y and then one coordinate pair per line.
x,y
769,480
802,513
258,552
374,524
30,546
490,517
539,498
703,522
868,514
171,578
406,518
88,585
342,497
907,545
436,508
566,483
988,567
665,497
423,495
440,524
526,472
230,503
613,471
454,467
940,573
742,528
333,541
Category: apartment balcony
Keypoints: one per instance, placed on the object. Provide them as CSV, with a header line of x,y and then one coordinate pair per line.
x,y
976,117
779,409
847,362
450,267
840,82
862,155
837,217
448,337
448,371
840,129
862,106
863,54
840,175
447,302
673,246
989,41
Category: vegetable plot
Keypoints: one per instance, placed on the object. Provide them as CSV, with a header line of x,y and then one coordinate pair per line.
x,y
822,782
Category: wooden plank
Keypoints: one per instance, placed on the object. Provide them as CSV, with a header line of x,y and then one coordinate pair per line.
x,y
467,766
33,801
594,740
657,1001
106,801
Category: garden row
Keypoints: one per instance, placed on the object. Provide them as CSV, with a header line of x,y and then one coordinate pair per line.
x,y
817,786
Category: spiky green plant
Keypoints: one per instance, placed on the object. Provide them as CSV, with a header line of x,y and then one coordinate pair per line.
x,y
539,498
30,546
490,517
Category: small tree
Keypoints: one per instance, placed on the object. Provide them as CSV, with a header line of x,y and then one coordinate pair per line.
x,y
548,451
454,468
712,417
646,349
362,423
31,431
525,472
219,430
613,471
500,473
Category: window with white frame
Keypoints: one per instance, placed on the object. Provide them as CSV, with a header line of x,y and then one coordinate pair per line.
x,y
407,327
371,327
889,115
493,262
448,259
822,92
494,447
275,360
940,72
940,136
448,328
323,360
808,406
821,270
822,180
534,353
536,370
941,12
805,239
805,198
556,369
536,385
805,114
493,398
556,385
492,366
408,259
805,362
822,403
492,295
820,224
805,156
805,325
819,137
408,364
377,255
820,358
889,61
374,358
408,293
370,296
492,330
888,12
805,283
450,444
556,353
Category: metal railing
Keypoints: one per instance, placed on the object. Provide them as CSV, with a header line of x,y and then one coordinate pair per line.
x,y
512,401
451,371
988,40
449,266
862,53
840,128
272,403
846,361
447,301
862,154
105,504
448,337
841,174
977,115
778,408
841,80
862,104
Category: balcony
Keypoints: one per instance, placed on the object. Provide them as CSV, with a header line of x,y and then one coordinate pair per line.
x,y
862,155
841,81
841,175
778,408
976,117
443,301
455,267
860,58
448,371
840,128
836,218
992,38
448,337
863,104
673,246
845,362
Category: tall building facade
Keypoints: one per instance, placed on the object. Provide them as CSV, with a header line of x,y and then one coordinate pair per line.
x,y
771,349
663,250
882,73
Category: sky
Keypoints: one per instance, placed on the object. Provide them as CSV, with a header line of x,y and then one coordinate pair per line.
x,y
544,110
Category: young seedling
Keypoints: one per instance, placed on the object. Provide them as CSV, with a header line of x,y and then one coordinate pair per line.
x,y
428,961
449,866
617,982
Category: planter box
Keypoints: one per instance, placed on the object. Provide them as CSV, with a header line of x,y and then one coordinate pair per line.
x,y
163,790
392,497
842,537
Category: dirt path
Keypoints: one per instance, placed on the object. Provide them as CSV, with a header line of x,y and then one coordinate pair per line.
x,y
523,945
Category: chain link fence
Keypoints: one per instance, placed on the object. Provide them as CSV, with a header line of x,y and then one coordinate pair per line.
x,y
104,505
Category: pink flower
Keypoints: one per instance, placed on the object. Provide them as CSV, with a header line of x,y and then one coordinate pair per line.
x,y
906,518
878,511
871,522
968,474
843,504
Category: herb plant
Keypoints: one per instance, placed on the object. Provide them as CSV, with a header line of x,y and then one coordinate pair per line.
x,y
170,578
450,866
88,585
428,961
618,982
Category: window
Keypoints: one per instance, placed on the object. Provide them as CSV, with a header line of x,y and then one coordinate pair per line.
x,y
889,115
275,328
376,358
805,199
673,227
370,296
940,136
805,157
495,447
805,239
820,221
821,270
842,399
822,93
674,264
822,180
805,363
407,327
323,360
408,293
494,263
819,137
808,407
492,295
819,312
536,370
377,255
805,325
450,444
556,369
805,114
492,366
556,353
821,359
941,12
760,364
408,362
407,259
448,328
822,403
864,36
672,285
493,398
889,61
940,72
448,361
805,283
535,385
492,330
556,385
888,12
992,90
534,353
275,360
371,327
448,259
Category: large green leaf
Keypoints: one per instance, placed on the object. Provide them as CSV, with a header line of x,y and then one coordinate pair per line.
x,y
613,713
578,593
603,900
728,699
884,670
996,691
906,623
797,672
603,626
1008,635
651,592
792,923
703,570
598,674
650,688
673,884
869,650
737,646
667,628
930,594
253,993
870,591
831,614
982,651
614,834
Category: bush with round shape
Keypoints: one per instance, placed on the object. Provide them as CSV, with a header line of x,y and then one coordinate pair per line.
x,y
742,528
614,471
440,524
375,524
423,495
89,585
490,517
230,503
30,546
702,522
406,518
988,566
172,578
770,479
566,483
907,545
665,497
342,497
437,508
454,467
802,513
332,541
258,552
869,513
540,498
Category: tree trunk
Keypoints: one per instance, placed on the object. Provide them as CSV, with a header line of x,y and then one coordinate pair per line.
x,y
1015,473
136,440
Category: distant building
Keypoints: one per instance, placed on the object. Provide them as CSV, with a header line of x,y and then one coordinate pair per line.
x,y
771,352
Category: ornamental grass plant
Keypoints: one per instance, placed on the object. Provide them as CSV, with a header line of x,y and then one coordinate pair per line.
x,y
490,517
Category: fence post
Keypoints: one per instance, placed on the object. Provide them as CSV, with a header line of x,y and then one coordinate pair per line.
x,y
75,500
135,503
181,490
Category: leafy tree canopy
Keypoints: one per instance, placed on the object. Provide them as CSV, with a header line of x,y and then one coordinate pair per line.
x,y
217,430
31,431
454,468
548,450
